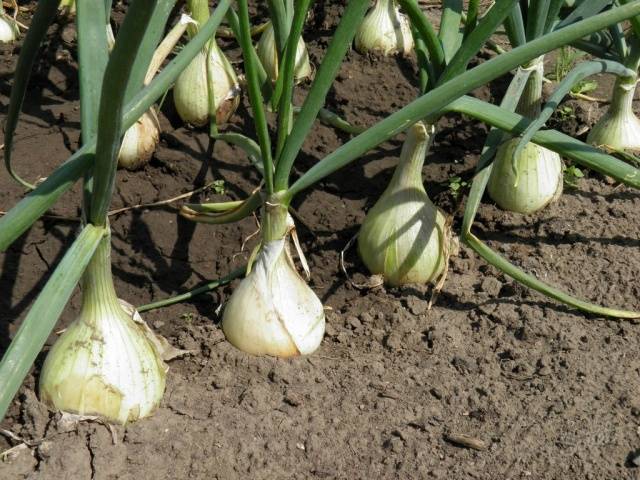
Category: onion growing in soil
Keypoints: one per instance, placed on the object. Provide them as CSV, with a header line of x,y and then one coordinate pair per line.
x,y
528,180
384,30
619,127
8,28
537,183
209,74
268,55
403,236
273,311
105,363
139,142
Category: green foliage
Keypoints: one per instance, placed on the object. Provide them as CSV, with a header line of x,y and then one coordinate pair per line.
x,y
571,175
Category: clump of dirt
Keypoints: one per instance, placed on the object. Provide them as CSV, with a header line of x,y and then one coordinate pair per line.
x,y
545,391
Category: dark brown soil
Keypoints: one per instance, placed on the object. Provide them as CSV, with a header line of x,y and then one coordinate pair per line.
x,y
552,393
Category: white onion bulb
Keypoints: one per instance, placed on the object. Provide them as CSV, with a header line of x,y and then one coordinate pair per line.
x,y
537,183
191,93
273,311
384,30
403,236
139,142
268,56
619,127
8,29
104,363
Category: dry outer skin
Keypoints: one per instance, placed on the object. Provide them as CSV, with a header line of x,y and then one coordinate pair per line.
x,y
551,393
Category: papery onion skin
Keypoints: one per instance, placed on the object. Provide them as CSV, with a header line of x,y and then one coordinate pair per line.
x,y
384,30
266,50
403,235
103,364
191,93
539,179
619,127
139,142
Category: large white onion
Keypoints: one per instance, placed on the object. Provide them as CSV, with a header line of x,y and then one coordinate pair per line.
x,y
104,363
273,311
403,236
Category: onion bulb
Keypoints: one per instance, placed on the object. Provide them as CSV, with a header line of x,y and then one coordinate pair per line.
x,y
268,55
619,127
105,363
403,236
538,180
8,29
273,311
191,91
531,180
384,30
139,141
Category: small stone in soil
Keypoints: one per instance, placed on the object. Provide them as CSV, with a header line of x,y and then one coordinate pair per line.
x,y
353,322
393,342
491,286
416,305
293,399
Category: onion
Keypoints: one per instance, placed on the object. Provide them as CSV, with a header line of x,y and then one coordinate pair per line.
x,y
384,30
403,236
105,363
537,183
139,142
530,180
273,311
191,91
268,55
8,29
619,127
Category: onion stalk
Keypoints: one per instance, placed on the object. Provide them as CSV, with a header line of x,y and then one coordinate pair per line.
x,y
384,30
268,55
105,363
403,236
208,89
526,180
273,311
619,127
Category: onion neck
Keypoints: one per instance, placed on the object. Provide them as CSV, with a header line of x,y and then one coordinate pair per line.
x,y
98,292
408,173
388,5
531,99
622,97
275,218
199,10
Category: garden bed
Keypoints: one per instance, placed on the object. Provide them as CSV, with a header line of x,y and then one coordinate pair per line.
x,y
547,392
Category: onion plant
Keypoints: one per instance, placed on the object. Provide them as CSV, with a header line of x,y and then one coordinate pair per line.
x,y
208,89
107,362
260,319
113,105
619,127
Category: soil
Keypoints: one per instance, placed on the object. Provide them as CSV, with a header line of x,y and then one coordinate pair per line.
x,y
546,392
